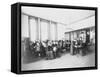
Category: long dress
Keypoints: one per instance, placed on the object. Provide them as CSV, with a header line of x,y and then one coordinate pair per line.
x,y
55,51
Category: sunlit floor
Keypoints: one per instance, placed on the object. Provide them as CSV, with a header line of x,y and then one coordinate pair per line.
x,y
65,61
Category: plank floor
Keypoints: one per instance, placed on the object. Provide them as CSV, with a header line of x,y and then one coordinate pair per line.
x,y
65,61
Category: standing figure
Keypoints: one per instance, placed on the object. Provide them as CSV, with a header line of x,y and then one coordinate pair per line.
x,y
49,52
38,49
80,46
44,48
75,46
58,49
54,49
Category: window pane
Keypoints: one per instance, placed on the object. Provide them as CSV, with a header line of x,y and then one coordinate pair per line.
x,y
44,30
53,31
61,32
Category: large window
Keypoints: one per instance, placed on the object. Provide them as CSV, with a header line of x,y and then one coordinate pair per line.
x,y
53,31
61,31
44,30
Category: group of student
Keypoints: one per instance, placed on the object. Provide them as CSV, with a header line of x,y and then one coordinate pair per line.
x,y
49,49
80,46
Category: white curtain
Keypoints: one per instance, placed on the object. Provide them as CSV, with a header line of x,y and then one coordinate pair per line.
x,y
33,24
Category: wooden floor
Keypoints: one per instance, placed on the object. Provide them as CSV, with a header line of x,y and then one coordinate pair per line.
x,y
65,61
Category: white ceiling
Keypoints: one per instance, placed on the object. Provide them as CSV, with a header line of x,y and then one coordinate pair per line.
x,y
65,16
